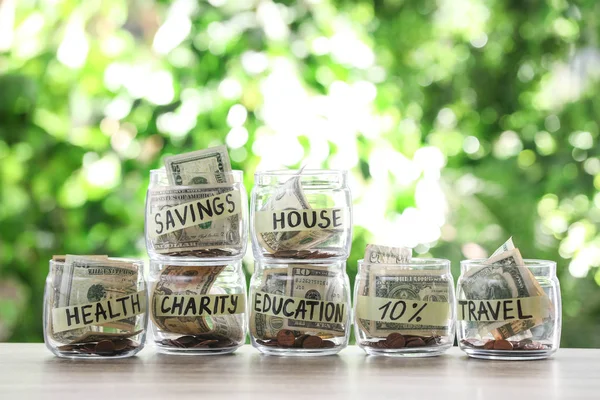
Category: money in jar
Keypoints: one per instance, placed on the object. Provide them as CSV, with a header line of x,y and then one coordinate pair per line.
x,y
304,215
299,308
196,207
197,308
508,308
95,307
403,306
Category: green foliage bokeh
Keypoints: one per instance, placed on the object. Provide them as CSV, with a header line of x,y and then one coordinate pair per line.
x,y
500,95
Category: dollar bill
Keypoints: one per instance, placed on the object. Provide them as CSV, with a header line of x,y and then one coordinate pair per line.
x,y
316,283
431,286
199,167
88,279
304,281
274,281
290,196
376,254
183,280
202,167
218,234
504,277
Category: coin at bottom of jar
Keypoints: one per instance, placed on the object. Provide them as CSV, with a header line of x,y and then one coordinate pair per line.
x,y
105,348
505,345
288,339
201,341
396,340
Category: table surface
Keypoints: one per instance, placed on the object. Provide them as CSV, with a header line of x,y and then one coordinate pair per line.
x,y
31,371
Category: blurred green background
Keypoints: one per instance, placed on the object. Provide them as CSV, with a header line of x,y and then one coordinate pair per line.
x,y
462,122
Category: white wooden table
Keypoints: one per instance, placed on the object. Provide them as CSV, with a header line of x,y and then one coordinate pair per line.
x,y
30,371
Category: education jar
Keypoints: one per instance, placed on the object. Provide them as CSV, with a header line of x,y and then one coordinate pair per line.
x,y
95,307
201,219
509,312
299,309
405,309
301,215
197,308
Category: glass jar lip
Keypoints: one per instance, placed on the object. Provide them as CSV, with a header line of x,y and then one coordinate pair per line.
x,y
137,261
163,170
414,262
305,172
529,263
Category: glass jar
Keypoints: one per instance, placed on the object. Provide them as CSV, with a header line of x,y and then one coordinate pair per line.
x,y
301,215
404,309
204,220
197,308
299,309
95,308
509,312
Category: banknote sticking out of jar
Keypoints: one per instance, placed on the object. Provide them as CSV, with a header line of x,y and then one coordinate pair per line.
x,y
299,309
197,308
95,307
301,215
196,207
508,308
403,306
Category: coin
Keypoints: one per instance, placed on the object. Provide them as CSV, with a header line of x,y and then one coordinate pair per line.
x,y
327,344
104,347
312,342
285,338
415,342
395,340
489,345
502,345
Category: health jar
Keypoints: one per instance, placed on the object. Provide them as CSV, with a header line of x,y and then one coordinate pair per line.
x,y
95,307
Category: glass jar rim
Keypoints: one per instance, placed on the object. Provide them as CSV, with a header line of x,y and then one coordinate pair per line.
x,y
529,263
138,261
163,170
414,262
305,172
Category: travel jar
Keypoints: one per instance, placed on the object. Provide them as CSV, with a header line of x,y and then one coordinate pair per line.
x,y
509,312
95,307
405,309
197,307
198,220
299,309
302,215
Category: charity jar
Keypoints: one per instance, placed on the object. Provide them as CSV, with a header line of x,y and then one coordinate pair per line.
x,y
197,307
509,312
95,307
301,215
204,218
405,309
299,309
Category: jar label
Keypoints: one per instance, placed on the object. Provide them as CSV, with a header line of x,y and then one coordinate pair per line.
x,y
301,220
298,308
193,213
412,312
522,308
199,306
98,313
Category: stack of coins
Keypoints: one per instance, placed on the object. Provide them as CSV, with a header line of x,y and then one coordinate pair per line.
x,y
196,235
301,234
